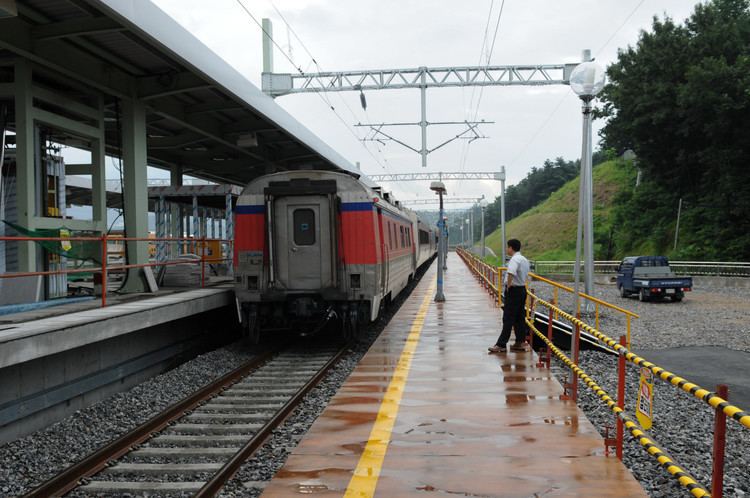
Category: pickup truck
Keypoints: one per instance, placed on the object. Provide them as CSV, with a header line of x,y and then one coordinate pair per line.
x,y
650,277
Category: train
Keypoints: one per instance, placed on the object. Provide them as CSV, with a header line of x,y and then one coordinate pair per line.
x,y
316,246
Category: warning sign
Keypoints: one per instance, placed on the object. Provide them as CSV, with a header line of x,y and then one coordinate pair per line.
x,y
65,244
644,409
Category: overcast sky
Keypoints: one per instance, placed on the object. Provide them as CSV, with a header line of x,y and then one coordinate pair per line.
x,y
531,123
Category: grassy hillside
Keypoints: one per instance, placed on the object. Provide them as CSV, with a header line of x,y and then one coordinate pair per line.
x,y
548,230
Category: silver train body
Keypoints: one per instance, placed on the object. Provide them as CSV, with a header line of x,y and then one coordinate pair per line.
x,y
311,246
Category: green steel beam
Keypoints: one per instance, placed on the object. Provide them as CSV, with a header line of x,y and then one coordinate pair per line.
x,y
136,190
25,166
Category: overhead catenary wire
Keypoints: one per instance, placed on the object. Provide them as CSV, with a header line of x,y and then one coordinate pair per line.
x,y
465,155
299,69
314,61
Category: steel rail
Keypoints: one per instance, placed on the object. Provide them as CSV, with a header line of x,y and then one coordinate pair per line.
x,y
222,476
95,462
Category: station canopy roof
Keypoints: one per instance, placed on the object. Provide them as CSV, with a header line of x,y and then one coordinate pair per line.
x,y
202,113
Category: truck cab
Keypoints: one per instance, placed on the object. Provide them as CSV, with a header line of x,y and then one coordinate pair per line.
x,y
650,277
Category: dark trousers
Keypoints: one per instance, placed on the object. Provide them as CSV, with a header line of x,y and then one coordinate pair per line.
x,y
514,315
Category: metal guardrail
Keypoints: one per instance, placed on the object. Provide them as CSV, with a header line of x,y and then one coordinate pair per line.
x,y
695,268
492,277
489,278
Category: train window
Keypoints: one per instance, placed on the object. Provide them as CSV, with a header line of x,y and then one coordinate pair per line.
x,y
424,237
408,237
402,237
395,237
390,236
304,227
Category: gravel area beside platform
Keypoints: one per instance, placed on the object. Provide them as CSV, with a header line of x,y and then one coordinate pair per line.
x,y
716,317
29,461
683,428
250,479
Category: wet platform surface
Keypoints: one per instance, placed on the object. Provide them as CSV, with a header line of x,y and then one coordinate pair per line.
x,y
452,420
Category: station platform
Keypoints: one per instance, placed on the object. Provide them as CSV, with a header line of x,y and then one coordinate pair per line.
x,y
70,357
429,410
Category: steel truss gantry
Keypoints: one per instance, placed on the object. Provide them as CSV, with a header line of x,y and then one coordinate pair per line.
x,y
422,78
278,84
439,176
446,200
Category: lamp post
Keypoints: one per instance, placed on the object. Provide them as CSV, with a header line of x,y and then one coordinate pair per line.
x,y
439,189
482,206
586,80
468,225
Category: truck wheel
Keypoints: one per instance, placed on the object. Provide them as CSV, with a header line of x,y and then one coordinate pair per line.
x,y
623,292
642,297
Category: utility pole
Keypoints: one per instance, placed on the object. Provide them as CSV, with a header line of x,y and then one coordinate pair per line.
x,y
483,205
677,228
502,214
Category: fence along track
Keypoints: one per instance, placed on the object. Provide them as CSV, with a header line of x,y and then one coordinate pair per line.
x,y
219,426
697,391
638,433
666,462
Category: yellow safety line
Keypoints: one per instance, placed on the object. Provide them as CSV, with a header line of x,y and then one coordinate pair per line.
x,y
366,475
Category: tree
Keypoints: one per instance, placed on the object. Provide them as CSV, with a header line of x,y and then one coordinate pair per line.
x,y
680,98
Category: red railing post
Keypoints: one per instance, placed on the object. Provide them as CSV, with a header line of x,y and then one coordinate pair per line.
x,y
203,262
620,397
720,441
105,251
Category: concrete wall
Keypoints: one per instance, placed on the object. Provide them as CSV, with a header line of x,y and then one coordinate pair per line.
x,y
37,393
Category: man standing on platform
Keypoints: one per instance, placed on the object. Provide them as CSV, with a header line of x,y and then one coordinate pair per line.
x,y
515,299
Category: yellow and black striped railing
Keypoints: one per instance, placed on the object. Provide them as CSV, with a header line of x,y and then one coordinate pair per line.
x,y
697,391
653,449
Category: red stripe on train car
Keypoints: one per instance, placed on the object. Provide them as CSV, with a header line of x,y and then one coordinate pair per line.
x,y
358,238
249,233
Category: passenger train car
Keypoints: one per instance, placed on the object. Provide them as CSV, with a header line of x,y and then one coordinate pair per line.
x,y
313,246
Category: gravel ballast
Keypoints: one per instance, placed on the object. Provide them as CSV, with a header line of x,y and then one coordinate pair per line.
x,y
29,461
683,429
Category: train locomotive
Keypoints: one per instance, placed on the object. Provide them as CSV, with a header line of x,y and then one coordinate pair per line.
x,y
313,246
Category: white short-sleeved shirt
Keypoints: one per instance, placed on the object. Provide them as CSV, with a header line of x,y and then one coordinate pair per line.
x,y
518,267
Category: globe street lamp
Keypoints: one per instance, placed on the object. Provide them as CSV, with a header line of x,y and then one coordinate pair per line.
x,y
468,224
439,189
586,80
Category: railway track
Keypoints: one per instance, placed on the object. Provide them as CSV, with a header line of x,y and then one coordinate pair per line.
x,y
196,445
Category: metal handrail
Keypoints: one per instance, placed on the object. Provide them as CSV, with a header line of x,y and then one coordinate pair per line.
x,y
701,268
105,268
494,285
721,406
